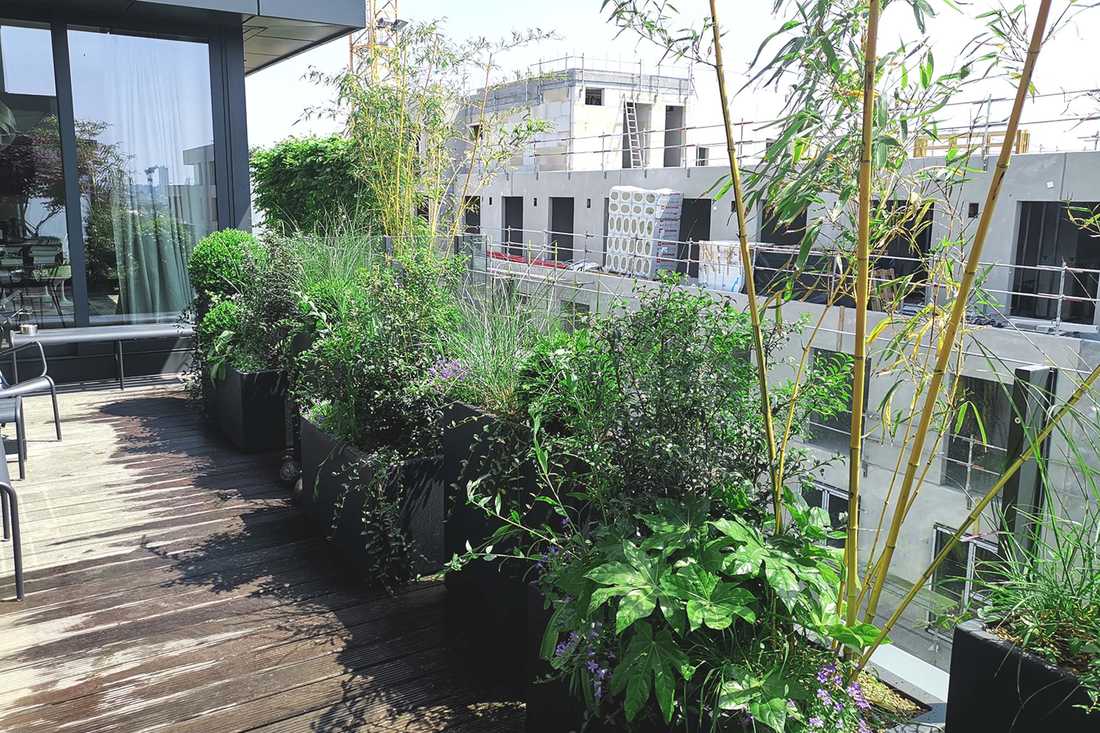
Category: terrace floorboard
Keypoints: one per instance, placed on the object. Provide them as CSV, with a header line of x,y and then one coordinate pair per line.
x,y
171,586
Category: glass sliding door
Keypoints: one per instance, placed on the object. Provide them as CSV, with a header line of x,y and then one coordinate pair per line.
x,y
35,271
145,159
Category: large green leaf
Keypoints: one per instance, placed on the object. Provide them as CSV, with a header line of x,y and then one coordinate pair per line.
x,y
708,601
616,574
651,662
634,582
772,713
782,580
636,604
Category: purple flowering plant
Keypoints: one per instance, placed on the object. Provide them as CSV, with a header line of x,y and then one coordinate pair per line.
x,y
838,706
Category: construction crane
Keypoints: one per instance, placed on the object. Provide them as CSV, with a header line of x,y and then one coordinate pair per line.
x,y
383,24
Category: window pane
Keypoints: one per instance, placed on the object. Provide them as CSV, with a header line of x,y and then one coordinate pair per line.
x,y
35,273
145,148
949,579
832,433
838,517
976,451
986,568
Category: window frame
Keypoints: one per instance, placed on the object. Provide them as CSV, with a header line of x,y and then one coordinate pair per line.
x,y
828,494
591,93
973,544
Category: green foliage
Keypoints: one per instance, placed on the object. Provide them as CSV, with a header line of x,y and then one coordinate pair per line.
x,y
307,184
371,361
661,402
220,342
488,348
1046,599
670,603
222,262
410,116
693,621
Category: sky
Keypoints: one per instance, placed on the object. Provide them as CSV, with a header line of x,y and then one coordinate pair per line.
x,y
278,96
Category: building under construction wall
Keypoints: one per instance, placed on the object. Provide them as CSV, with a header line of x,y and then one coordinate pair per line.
x,y
549,225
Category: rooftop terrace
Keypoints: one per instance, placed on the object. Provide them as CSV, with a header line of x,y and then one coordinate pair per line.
x,y
171,586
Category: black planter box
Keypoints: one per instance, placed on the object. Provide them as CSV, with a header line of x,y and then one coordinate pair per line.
x,y
330,469
249,409
549,705
997,687
486,602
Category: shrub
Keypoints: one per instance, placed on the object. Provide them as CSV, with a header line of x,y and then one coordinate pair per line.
x,y
221,339
1046,598
485,352
369,364
661,402
309,184
670,602
221,262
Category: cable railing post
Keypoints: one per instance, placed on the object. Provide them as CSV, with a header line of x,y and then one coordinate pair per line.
x,y
1061,299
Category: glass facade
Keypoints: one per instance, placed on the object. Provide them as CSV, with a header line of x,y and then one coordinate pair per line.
x,y
141,145
35,266
145,133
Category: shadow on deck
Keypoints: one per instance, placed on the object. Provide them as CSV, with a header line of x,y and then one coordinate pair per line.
x,y
171,586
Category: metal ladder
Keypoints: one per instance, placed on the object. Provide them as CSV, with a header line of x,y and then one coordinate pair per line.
x,y
633,135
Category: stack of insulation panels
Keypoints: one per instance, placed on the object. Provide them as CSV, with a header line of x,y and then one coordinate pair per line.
x,y
642,228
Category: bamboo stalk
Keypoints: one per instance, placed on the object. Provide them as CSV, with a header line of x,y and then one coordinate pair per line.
x,y
958,310
976,512
746,266
859,362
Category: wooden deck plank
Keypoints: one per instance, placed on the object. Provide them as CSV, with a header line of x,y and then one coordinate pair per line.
x,y
172,587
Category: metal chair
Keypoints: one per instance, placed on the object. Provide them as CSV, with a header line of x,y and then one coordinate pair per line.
x,y
9,517
38,385
11,411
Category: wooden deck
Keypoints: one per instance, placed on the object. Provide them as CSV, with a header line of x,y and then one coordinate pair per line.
x,y
171,587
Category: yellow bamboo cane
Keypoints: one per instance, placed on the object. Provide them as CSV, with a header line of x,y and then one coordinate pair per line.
x,y
746,266
959,308
976,512
859,365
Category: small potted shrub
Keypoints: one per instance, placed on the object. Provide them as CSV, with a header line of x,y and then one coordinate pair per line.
x,y
1031,660
245,305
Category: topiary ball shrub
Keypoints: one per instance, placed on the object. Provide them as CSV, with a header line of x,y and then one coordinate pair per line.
x,y
219,265
224,316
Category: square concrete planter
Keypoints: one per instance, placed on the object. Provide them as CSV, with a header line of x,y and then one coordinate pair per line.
x,y
332,497
997,687
250,409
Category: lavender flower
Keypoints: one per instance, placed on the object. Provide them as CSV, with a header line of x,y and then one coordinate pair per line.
x,y
824,697
446,370
816,722
863,727
566,647
857,695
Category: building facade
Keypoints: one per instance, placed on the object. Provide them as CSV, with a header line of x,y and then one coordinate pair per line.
x,y
123,141
1034,329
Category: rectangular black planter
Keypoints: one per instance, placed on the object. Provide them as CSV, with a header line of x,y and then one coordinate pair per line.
x,y
249,409
331,470
486,602
997,687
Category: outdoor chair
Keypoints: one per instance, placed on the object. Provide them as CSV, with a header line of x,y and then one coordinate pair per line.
x,y
11,412
38,385
9,517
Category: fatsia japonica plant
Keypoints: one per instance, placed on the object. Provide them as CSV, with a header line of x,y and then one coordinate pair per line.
x,y
671,603
694,621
